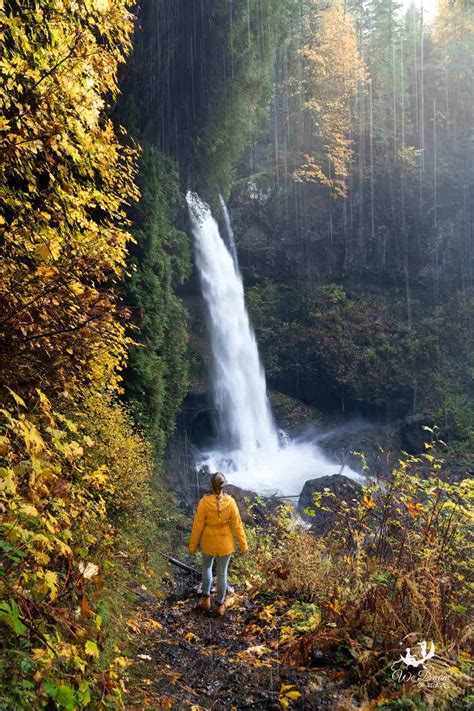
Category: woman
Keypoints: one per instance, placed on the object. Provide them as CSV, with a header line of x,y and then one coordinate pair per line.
x,y
216,523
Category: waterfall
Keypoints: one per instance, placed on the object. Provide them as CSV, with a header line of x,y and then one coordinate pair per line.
x,y
238,383
229,232
248,448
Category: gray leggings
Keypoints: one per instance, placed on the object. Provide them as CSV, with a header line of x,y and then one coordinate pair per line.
x,y
222,563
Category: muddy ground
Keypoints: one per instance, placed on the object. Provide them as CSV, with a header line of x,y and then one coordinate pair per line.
x,y
189,659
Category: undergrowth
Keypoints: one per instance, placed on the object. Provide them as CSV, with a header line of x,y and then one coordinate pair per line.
x,y
395,570
81,518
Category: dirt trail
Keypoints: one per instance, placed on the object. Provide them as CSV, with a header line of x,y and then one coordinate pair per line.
x,y
188,659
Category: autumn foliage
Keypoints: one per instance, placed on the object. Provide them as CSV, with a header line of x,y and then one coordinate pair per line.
x,y
66,180
61,490
331,74
395,561
75,475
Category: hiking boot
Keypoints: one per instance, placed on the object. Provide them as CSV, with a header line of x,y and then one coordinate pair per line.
x,y
220,609
205,603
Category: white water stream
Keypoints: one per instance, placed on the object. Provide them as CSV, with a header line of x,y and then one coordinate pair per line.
x,y
229,232
250,451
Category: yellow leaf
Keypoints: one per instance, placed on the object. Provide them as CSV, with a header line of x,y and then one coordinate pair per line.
x,y
4,445
45,251
46,272
42,252
76,287
55,248
51,580
17,398
368,501
7,481
92,649
122,662
258,650
32,438
155,625
40,557
98,477
62,547
28,510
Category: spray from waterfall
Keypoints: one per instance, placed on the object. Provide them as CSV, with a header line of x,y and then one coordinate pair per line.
x,y
248,448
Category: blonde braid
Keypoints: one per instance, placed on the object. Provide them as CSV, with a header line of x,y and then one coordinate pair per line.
x,y
218,481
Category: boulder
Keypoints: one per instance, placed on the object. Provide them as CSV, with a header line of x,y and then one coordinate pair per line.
x,y
413,436
345,489
253,508
244,500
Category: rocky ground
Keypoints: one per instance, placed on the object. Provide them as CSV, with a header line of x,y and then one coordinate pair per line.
x,y
188,659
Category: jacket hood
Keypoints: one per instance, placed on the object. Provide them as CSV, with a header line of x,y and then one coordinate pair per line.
x,y
211,502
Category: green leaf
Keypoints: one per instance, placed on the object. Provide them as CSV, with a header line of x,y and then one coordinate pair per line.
x,y
92,650
10,615
79,663
458,608
62,695
84,694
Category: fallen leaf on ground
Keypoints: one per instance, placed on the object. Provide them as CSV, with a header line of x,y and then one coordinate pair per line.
x,y
258,649
155,625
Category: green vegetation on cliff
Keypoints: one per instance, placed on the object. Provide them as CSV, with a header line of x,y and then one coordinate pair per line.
x,y
357,350
156,375
199,82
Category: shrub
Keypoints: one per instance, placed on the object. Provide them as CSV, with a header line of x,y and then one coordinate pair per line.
x,y
398,562
74,494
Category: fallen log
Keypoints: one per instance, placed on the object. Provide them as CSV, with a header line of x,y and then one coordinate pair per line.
x,y
180,564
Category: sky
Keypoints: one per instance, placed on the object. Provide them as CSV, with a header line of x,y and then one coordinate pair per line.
x,y
429,7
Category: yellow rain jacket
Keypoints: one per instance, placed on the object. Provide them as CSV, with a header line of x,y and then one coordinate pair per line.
x,y
215,533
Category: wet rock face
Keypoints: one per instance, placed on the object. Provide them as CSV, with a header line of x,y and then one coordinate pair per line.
x,y
345,445
343,488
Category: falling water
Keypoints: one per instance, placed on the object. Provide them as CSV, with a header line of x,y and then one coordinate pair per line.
x,y
229,232
249,449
